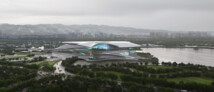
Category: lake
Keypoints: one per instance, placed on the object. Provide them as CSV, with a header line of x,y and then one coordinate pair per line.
x,y
185,55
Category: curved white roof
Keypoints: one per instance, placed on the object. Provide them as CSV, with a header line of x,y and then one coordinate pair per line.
x,y
69,46
120,44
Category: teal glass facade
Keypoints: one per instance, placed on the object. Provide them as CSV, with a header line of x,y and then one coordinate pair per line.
x,y
103,46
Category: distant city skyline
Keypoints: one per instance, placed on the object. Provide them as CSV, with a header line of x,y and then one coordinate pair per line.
x,y
172,15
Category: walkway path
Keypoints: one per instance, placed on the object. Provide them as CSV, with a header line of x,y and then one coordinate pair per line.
x,y
61,69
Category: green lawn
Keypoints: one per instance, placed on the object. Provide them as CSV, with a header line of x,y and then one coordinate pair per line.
x,y
159,67
47,64
51,63
136,70
7,57
206,81
36,53
116,73
21,53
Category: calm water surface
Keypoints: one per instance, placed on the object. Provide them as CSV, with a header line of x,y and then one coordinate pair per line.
x,y
185,55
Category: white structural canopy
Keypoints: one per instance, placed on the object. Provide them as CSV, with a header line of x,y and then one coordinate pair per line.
x,y
90,44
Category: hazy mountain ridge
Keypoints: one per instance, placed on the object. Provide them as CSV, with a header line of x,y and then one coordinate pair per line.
x,y
53,29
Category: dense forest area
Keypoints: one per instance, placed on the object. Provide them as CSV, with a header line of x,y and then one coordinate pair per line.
x,y
135,77
146,75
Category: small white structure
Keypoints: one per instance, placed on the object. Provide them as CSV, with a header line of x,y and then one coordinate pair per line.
x,y
34,49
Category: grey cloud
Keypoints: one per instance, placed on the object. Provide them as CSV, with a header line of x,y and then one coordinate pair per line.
x,y
153,14
93,7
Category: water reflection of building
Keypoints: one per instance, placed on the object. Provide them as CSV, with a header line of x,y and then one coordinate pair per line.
x,y
101,50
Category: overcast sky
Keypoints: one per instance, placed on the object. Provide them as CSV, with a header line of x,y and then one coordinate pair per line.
x,y
186,15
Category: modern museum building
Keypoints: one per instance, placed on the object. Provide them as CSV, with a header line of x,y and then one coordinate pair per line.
x,y
101,50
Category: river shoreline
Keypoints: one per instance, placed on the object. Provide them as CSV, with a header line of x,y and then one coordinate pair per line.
x,y
185,55
199,47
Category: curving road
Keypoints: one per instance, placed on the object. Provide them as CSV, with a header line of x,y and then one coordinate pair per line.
x,y
61,69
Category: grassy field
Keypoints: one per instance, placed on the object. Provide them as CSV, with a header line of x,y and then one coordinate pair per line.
x,y
116,73
47,65
136,70
36,53
8,57
200,80
159,67
51,63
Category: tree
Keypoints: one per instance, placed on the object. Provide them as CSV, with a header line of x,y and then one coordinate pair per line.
x,y
87,73
212,83
155,61
174,64
8,50
146,63
2,89
112,76
100,74
116,88
31,55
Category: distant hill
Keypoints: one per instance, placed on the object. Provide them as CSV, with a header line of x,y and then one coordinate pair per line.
x,y
53,29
